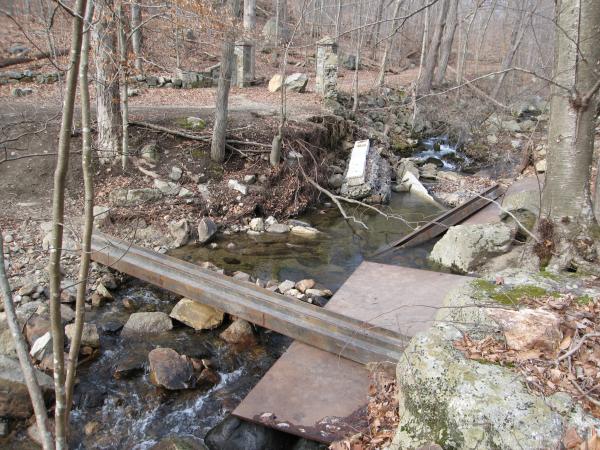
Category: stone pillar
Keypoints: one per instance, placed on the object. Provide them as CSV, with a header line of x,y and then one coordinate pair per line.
x,y
243,64
327,67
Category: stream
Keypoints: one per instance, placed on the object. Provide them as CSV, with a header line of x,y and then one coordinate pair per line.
x,y
134,414
130,413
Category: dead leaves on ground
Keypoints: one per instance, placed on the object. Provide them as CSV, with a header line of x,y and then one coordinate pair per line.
x,y
576,368
382,413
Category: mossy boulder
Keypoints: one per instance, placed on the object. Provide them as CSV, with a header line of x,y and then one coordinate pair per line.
x,y
462,403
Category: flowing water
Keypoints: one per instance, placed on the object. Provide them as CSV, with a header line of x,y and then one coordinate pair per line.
x,y
130,413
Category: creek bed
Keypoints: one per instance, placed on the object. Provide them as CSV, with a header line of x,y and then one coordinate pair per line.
x,y
132,413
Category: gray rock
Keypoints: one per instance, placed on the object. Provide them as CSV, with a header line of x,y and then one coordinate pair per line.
x,y
239,332
236,185
206,230
167,187
196,123
336,180
180,231
349,62
296,82
492,139
466,247
250,179
147,323
14,397
133,197
42,347
257,224
235,434
511,125
524,206
540,166
278,228
18,49
286,286
89,335
176,173
305,231
21,92
464,403
149,152
170,370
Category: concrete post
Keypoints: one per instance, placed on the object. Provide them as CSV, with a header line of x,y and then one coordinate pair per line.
x,y
327,67
243,64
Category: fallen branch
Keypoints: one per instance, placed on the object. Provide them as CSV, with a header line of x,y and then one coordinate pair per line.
x,y
7,62
196,137
578,346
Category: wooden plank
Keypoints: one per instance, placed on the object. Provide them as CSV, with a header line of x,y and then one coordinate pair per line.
x,y
317,395
330,331
440,224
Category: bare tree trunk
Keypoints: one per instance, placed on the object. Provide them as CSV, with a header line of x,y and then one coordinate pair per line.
x,y
357,61
281,31
217,148
136,35
375,36
388,46
515,41
462,55
482,35
123,84
35,393
447,41
250,26
566,201
58,204
431,59
338,20
107,86
88,203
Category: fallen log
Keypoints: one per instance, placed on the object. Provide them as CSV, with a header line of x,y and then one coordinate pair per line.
x,y
7,62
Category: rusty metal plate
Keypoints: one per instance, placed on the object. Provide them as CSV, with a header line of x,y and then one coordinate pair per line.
x,y
322,396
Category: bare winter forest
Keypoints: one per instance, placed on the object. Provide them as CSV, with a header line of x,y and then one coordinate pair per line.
x,y
197,195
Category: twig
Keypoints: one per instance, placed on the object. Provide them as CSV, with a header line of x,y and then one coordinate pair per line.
x,y
583,393
578,346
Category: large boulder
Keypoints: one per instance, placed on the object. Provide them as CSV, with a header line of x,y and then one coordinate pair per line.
x,y
170,370
147,323
14,397
296,82
457,402
465,247
197,315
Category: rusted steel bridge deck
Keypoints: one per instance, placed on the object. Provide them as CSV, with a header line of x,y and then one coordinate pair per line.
x,y
332,331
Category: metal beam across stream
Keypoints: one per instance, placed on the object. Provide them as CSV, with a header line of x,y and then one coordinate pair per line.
x,y
331,331
440,224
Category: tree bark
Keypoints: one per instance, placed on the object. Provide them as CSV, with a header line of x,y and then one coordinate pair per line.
x,y
217,148
375,36
35,393
388,46
447,41
357,61
136,35
58,204
88,214
107,86
123,85
431,59
566,201
250,26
